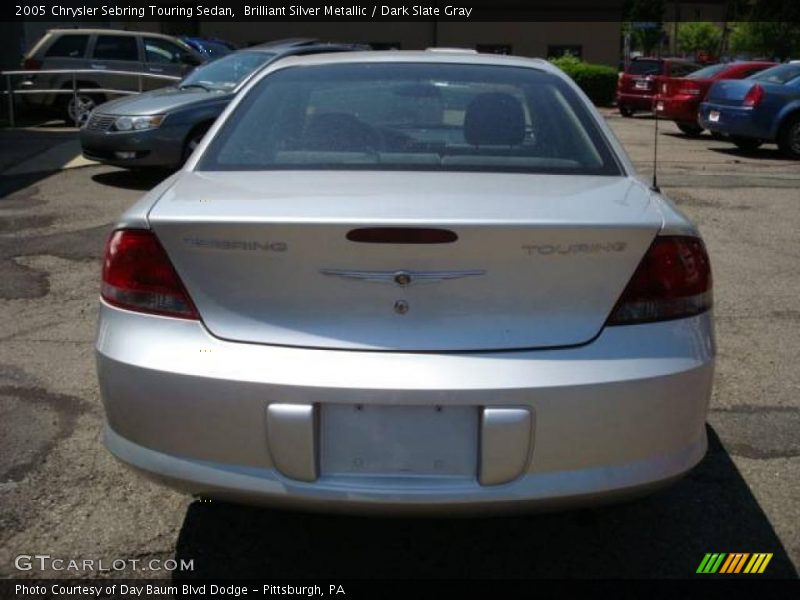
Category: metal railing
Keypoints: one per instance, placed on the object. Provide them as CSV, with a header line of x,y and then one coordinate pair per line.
x,y
74,90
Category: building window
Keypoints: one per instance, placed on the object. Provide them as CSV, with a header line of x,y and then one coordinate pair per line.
x,y
493,48
559,50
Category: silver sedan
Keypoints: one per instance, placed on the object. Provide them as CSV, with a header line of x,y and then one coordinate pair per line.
x,y
407,281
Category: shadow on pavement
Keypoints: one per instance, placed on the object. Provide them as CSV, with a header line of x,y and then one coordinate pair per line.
x,y
18,146
14,183
139,179
768,153
663,535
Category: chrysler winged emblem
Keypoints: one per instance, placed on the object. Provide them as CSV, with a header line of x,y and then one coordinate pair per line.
x,y
401,278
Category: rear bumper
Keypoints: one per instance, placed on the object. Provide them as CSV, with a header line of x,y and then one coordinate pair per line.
x,y
733,120
681,110
619,415
642,101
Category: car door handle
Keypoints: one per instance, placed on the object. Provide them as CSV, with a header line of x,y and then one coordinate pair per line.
x,y
155,70
98,66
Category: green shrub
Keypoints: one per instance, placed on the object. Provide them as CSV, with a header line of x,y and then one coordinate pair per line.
x,y
599,82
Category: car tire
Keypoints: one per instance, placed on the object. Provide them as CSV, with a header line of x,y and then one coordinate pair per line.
x,y
626,111
789,137
745,143
690,129
76,108
193,140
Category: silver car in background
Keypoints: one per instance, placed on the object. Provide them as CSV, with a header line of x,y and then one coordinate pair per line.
x,y
100,55
407,281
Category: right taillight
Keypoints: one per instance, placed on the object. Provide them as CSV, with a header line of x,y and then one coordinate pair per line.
x,y
753,96
138,276
672,281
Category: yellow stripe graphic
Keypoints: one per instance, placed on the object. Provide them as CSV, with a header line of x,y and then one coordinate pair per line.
x,y
753,564
765,563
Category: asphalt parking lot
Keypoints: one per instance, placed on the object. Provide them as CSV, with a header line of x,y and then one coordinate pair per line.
x,y
62,494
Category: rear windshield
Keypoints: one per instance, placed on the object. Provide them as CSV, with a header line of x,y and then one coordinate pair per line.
x,y
779,74
706,72
400,116
645,67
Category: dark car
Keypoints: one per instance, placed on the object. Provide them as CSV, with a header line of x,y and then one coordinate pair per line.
x,y
163,127
637,84
101,54
762,108
679,98
211,48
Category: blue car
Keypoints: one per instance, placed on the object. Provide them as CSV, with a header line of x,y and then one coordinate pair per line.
x,y
210,48
762,108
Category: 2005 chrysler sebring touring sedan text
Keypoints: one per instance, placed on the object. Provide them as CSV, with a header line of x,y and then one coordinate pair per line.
x,y
407,281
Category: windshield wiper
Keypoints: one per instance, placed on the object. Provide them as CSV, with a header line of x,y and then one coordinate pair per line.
x,y
195,85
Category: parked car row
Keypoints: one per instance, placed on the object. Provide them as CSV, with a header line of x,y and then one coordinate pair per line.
x,y
679,98
637,83
763,108
747,102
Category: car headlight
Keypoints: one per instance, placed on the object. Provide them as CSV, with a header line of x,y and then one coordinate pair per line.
x,y
138,123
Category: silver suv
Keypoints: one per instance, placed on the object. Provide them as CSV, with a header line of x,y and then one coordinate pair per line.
x,y
101,50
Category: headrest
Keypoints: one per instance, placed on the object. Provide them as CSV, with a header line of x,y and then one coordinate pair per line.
x,y
494,119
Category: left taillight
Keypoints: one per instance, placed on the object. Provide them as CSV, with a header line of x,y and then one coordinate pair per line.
x,y
138,276
754,96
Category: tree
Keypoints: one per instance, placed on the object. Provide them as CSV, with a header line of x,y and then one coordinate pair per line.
x,y
769,39
650,11
699,36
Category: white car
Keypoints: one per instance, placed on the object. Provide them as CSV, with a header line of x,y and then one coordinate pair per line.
x,y
407,281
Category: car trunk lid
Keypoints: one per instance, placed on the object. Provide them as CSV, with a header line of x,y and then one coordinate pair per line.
x,y
729,92
537,260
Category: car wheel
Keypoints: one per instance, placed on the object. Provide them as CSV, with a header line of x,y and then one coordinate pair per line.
x,y
744,143
626,111
789,138
690,129
78,107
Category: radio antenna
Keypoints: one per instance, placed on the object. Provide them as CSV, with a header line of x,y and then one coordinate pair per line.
x,y
654,185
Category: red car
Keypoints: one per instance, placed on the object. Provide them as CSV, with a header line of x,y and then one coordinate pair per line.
x,y
679,98
636,86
